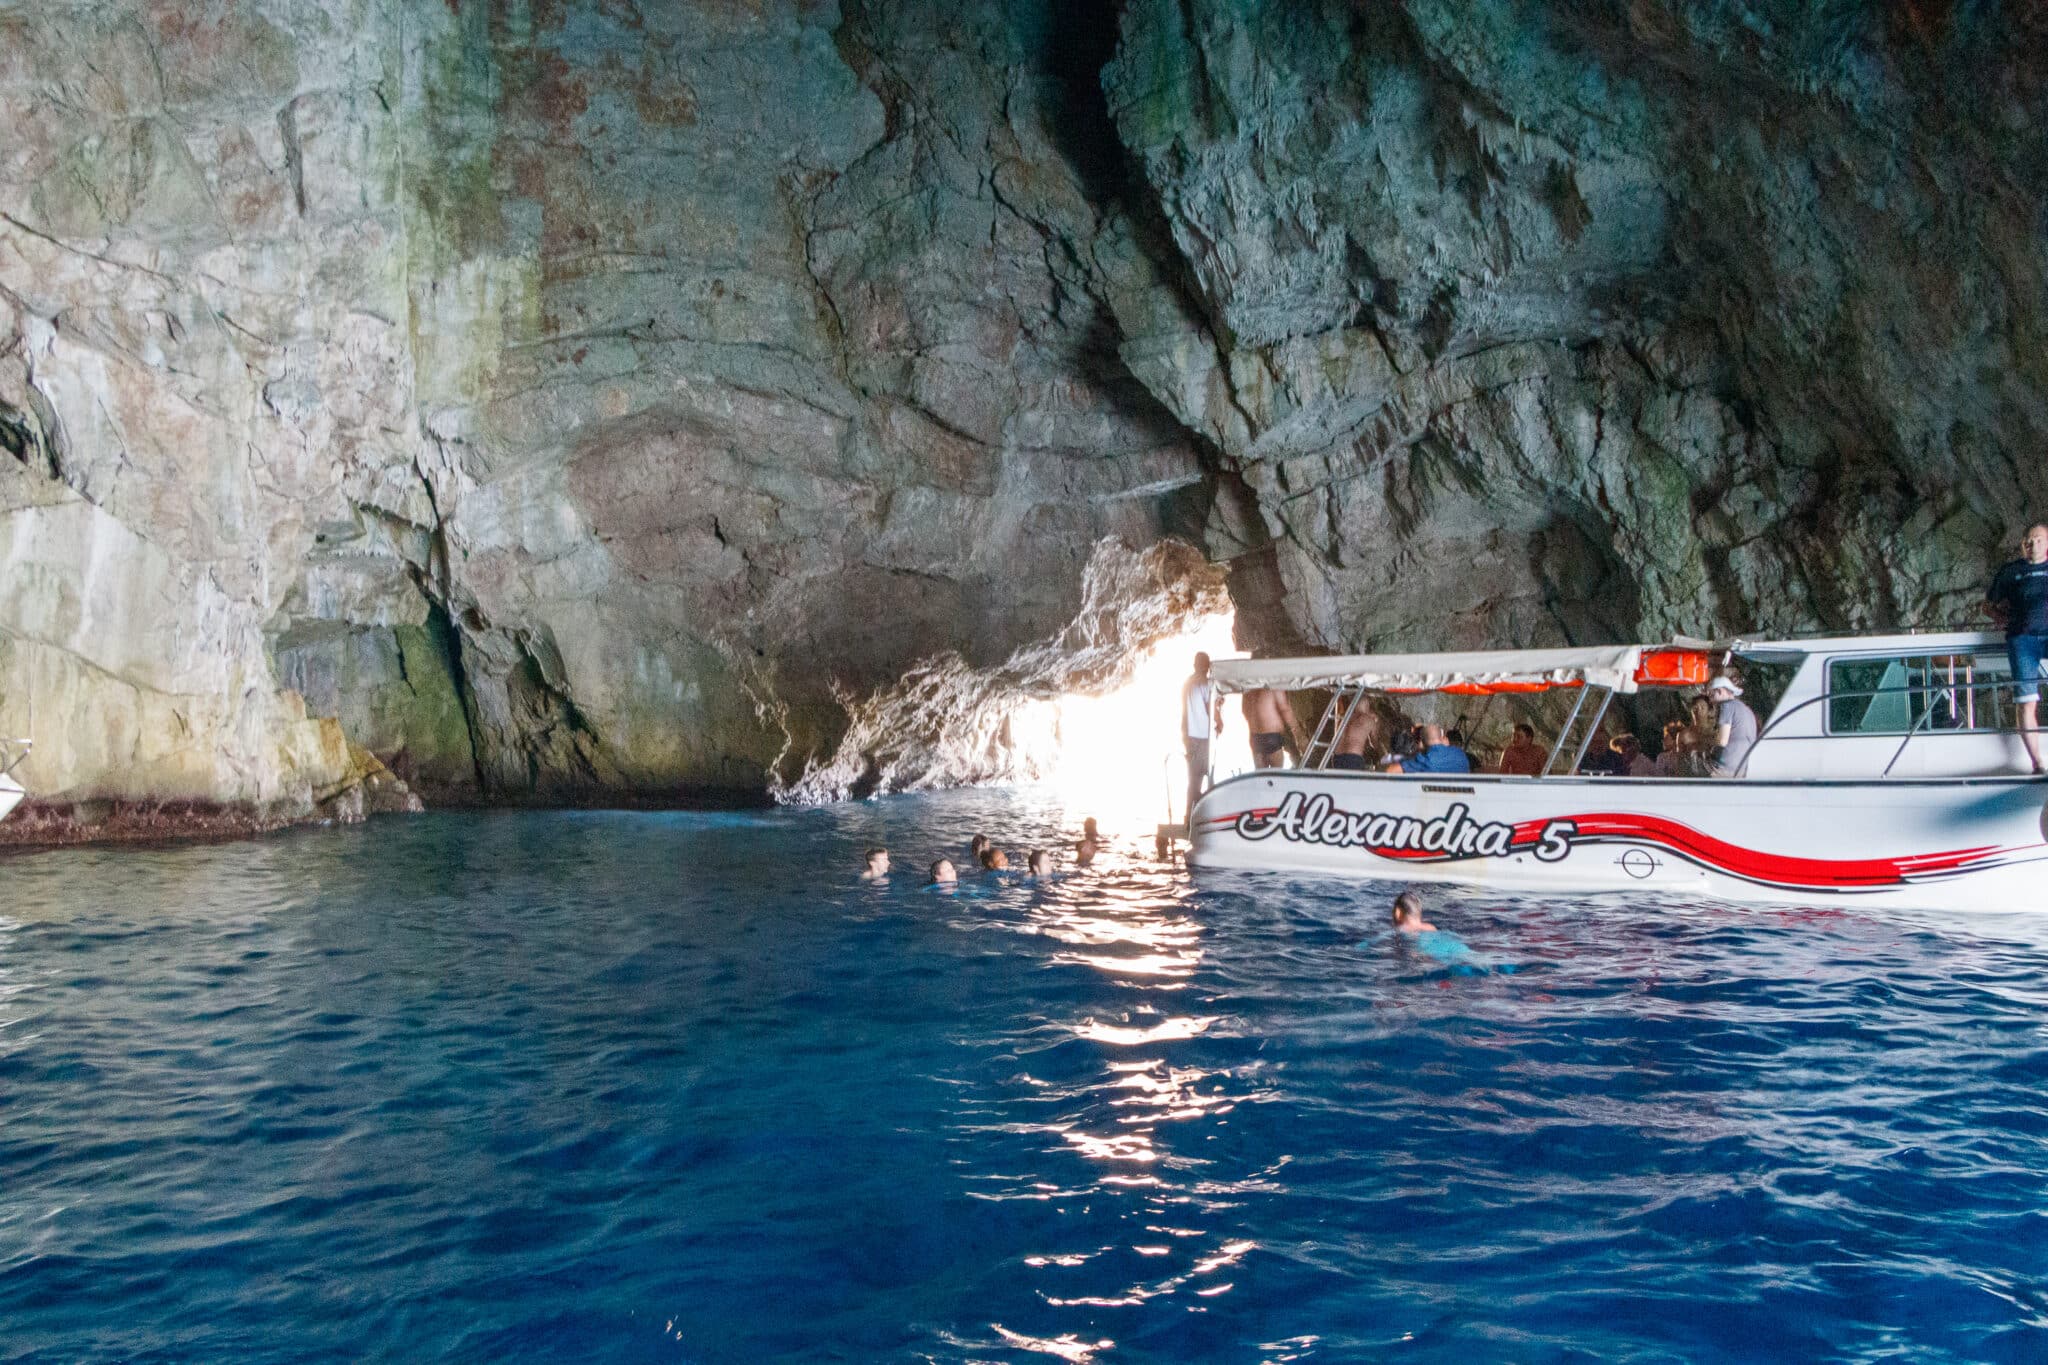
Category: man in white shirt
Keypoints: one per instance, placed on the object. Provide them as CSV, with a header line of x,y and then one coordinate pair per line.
x,y
1201,720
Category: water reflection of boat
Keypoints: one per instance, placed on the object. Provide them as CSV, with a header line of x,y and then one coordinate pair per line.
x,y
12,752
1888,771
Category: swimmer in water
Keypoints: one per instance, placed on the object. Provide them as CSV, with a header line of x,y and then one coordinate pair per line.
x,y
1408,915
995,860
979,849
943,873
1041,863
1085,851
878,865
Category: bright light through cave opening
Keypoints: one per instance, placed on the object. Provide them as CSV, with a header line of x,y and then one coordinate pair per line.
x,y
1120,753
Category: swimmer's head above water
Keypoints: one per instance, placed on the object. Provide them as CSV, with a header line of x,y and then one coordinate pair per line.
x,y
877,865
943,873
1408,914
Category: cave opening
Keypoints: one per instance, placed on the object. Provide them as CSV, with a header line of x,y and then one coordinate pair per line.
x,y
1116,754
1091,712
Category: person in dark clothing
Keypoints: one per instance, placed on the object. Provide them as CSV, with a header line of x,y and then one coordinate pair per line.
x,y
1601,760
2018,599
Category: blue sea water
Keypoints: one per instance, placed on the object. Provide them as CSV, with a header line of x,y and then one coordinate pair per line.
x,y
676,1087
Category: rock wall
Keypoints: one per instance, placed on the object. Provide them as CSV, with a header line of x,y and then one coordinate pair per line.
x,y
1541,322
601,398
575,400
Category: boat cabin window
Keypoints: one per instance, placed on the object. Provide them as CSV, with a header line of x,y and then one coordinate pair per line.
x,y
1951,686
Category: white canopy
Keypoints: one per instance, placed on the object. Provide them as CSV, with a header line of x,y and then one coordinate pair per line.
x,y
1493,670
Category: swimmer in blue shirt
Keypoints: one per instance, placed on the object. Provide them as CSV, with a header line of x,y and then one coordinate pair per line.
x,y
1445,947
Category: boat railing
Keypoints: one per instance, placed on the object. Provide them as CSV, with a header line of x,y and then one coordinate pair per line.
x,y
12,752
1922,725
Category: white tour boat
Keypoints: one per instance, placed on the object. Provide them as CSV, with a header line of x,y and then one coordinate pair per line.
x,y
1887,772
12,751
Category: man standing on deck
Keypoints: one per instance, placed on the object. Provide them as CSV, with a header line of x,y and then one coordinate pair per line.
x,y
1734,726
2018,598
1271,722
1201,720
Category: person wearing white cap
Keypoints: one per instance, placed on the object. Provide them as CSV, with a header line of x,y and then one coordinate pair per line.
x,y
1735,726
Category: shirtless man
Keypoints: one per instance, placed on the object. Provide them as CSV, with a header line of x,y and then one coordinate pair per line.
x,y
1360,731
1271,722
878,866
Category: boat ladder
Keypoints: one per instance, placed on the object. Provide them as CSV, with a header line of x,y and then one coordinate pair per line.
x,y
1580,728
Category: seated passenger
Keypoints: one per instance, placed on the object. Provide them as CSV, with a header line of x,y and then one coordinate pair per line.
x,y
1682,756
1634,762
1701,709
1437,755
1675,758
1601,760
1524,757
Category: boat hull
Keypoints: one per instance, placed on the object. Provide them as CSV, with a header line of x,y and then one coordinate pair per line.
x,y
1970,844
10,795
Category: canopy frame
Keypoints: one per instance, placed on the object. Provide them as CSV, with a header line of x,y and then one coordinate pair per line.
x,y
1478,673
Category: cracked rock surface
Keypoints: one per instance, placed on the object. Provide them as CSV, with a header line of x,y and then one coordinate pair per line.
x,y
600,399
1534,323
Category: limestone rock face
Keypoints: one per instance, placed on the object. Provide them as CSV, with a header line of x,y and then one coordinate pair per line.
x,y
571,398
1527,323
586,399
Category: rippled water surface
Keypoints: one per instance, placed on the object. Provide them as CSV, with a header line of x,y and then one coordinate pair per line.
x,y
679,1088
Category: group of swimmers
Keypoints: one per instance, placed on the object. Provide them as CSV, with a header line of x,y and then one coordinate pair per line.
x,y
990,859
